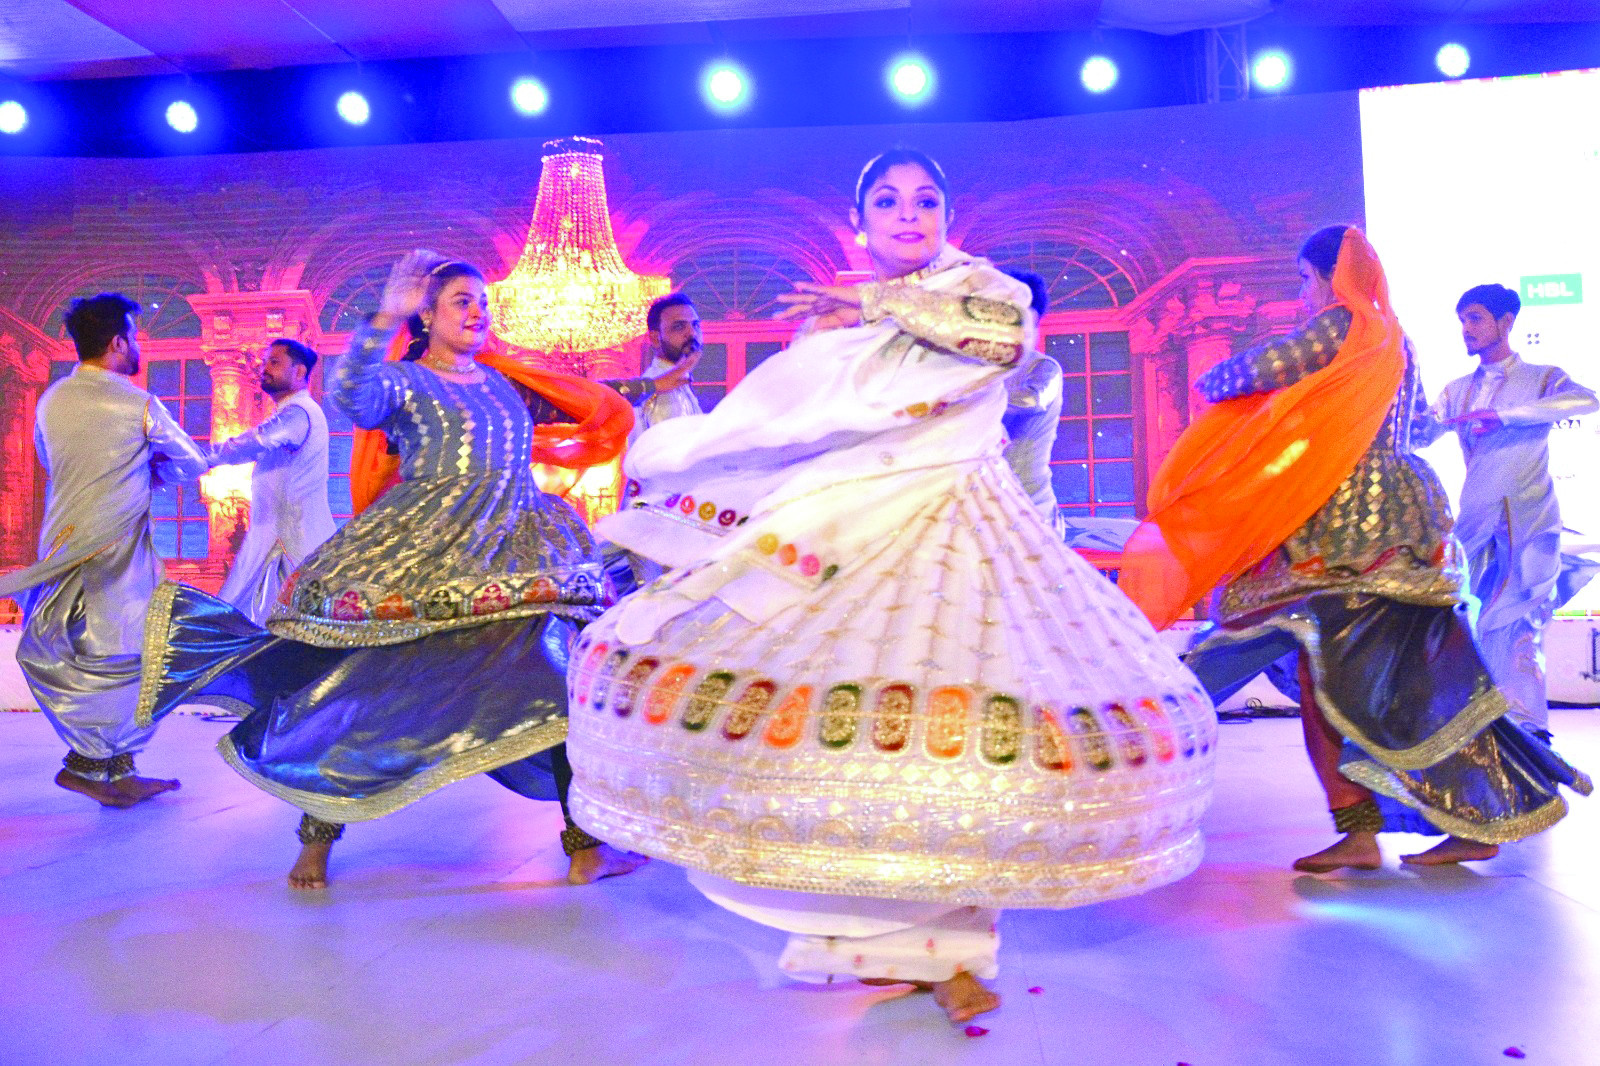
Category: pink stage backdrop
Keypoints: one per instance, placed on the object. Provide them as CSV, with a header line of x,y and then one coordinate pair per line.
x,y
1167,237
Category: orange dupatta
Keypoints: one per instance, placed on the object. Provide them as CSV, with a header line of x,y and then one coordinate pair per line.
x,y
600,435
1251,470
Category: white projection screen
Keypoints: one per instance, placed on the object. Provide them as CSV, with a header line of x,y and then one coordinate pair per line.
x,y
1497,180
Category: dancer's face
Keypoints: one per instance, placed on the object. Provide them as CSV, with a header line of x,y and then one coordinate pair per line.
x,y
905,220
679,333
1316,291
1480,330
459,320
281,374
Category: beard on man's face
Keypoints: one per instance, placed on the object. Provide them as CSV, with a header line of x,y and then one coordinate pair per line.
x,y
672,355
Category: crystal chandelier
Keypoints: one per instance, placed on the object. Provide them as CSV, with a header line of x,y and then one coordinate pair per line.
x,y
571,291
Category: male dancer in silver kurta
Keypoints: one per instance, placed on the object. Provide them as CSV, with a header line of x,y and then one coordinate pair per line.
x,y
1510,522
289,515
104,443
1033,415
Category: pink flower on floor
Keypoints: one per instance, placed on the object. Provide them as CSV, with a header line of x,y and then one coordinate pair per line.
x,y
1035,991
975,1030
1514,1053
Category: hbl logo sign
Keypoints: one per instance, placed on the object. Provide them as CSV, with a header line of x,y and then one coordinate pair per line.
x,y
1553,289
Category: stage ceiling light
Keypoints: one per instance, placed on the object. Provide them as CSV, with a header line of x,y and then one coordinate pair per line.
x,y
13,117
911,80
353,108
182,116
1452,60
529,96
1099,74
726,87
1271,70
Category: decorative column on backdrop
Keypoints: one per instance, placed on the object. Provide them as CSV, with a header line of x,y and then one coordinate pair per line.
x,y
235,329
571,298
25,355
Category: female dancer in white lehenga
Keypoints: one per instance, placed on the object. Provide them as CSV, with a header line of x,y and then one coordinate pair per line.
x,y
877,698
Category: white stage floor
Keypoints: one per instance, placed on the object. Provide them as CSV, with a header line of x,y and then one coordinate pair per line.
x,y
165,935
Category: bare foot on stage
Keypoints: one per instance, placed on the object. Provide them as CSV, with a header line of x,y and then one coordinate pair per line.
x,y
1355,851
138,789
963,998
595,864
310,870
1454,849
102,792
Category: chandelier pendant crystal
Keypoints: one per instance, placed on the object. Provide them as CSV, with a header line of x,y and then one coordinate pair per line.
x,y
570,291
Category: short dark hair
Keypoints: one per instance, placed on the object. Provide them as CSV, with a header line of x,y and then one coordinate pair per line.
x,y
298,352
93,323
880,164
1321,249
1038,292
1496,299
652,317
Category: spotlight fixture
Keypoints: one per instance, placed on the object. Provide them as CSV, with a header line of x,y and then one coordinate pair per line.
x,y
1099,74
353,108
529,96
1452,60
13,117
726,87
182,116
1271,70
910,80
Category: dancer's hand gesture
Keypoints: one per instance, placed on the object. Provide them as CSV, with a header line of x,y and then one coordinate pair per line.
x,y
838,305
407,285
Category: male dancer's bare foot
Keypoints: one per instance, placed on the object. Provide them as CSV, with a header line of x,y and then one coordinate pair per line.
x,y
1355,851
961,997
138,789
595,864
310,870
1453,849
102,792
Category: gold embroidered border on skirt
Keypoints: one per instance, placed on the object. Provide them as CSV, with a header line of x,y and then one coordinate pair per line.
x,y
1485,706
868,786
341,809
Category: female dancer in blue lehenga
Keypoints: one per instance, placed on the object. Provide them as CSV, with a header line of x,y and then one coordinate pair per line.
x,y
427,640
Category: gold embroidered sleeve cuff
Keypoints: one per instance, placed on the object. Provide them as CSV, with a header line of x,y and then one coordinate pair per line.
x,y
993,331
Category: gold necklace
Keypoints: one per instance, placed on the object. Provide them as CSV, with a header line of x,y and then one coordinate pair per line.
x,y
456,367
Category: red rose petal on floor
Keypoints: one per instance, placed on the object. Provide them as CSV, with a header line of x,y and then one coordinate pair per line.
x,y
1514,1053
975,1030
1035,991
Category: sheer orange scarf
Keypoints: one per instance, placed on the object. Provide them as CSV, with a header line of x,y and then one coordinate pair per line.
x,y
1250,471
601,433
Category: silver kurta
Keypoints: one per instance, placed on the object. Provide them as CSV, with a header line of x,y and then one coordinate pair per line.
x,y
1031,421
103,442
1510,522
289,515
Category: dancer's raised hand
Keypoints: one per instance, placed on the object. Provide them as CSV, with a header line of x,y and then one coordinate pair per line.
x,y
403,293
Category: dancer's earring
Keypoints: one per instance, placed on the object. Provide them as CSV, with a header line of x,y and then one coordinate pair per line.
x,y
861,239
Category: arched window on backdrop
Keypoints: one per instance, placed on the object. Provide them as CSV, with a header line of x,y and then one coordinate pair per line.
x,y
1098,447
735,291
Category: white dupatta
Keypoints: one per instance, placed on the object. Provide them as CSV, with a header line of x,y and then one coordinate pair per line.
x,y
824,449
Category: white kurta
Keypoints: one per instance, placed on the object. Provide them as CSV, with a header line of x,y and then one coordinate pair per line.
x,y
1510,522
289,514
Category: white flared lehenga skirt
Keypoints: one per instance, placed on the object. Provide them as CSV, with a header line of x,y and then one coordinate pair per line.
x,y
965,713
